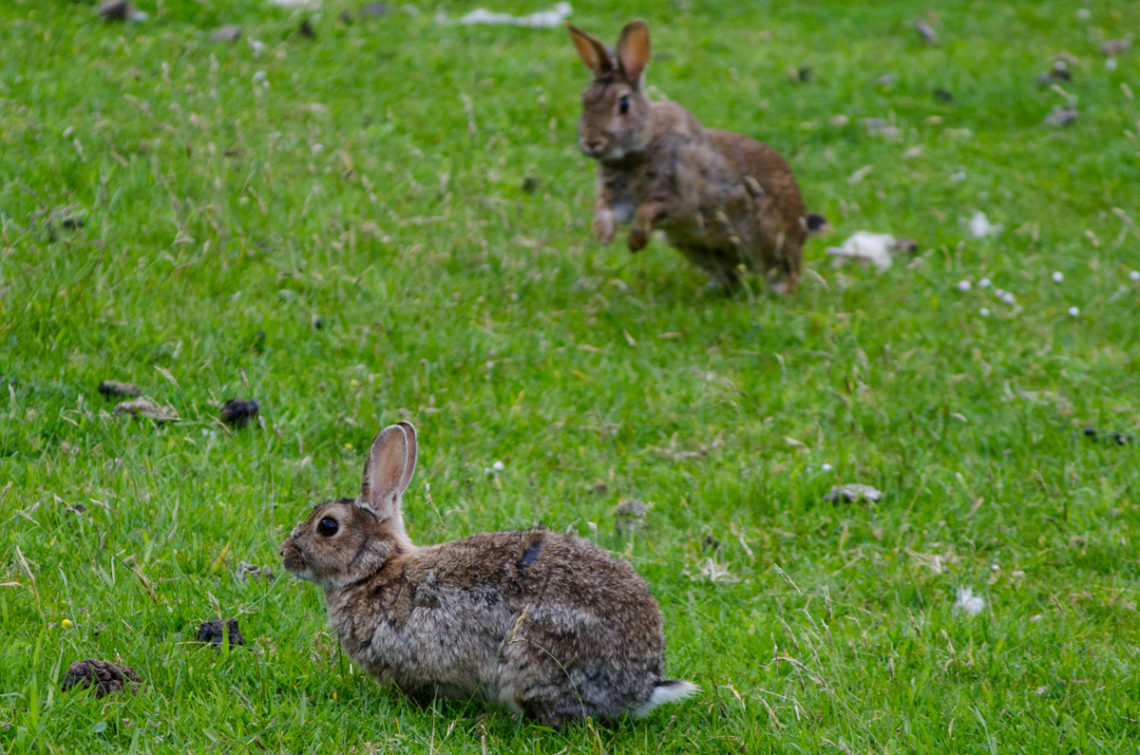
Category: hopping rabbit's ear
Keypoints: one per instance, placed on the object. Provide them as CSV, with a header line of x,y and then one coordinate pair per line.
x,y
633,50
391,462
593,53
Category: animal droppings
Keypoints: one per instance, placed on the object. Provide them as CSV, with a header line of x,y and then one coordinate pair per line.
x,y
106,677
216,632
111,388
239,411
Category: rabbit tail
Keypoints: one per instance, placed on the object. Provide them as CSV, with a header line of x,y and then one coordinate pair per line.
x,y
668,691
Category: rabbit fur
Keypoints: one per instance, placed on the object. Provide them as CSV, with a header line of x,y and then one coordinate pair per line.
x,y
546,624
726,201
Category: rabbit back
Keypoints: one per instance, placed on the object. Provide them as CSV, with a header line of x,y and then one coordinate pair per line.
x,y
543,623
780,213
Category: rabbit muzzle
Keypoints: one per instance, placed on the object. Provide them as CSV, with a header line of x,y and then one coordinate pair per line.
x,y
593,147
293,560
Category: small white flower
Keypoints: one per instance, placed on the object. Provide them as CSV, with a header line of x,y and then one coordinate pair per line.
x,y
999,293
498,466
963,285
317,148
984,283
256,46
1134,275
1058,278
967,601
1110,64
826,467
1074,312
984,312
995,567
1008,298
259,76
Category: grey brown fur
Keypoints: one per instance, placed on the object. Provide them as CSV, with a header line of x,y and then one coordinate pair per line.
x,y
543,623
725,201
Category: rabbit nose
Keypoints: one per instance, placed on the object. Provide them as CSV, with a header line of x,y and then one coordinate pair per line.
x,y
593,146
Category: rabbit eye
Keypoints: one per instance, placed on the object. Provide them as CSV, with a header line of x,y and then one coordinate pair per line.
x,y
327,527
623,104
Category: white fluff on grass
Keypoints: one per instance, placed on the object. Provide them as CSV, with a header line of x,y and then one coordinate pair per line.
x,y
967,601
980,226
866,247
547,19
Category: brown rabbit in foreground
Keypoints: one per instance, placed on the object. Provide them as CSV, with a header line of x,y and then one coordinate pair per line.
x,y
543,623
724,200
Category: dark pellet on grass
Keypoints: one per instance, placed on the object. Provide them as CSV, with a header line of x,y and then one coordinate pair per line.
x,y
111,388
106,677
306,29
942,95
530,184
215,632
117,10
239,411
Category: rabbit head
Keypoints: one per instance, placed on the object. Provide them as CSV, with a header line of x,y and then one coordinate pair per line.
x,y
351,539
615,110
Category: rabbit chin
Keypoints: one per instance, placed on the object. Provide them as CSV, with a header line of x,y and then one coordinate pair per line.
x,y
638,143
306,573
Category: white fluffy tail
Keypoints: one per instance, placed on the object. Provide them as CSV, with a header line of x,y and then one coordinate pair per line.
x,y
669,691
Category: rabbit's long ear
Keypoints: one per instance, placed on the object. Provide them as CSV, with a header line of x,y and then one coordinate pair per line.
x,y
593,53
410,467
391,462
633,50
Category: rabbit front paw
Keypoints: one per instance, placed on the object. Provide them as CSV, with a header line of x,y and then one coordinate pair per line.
x,y
603,226
638,239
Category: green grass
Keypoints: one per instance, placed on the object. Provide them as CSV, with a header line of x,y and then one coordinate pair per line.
x,y
216,231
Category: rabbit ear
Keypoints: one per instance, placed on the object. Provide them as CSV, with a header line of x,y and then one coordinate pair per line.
x,y
391,462
410,467
593,53
633,50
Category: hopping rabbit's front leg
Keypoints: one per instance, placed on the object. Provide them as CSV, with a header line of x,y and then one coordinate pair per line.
x,y
648,215
604,216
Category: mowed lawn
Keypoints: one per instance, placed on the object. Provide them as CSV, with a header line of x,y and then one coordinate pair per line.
x,y
390,220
